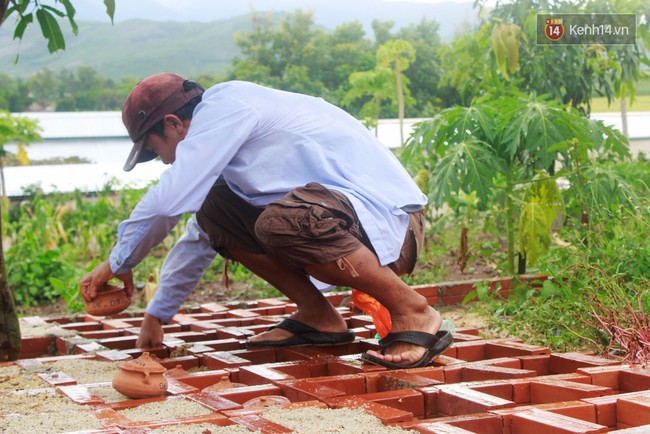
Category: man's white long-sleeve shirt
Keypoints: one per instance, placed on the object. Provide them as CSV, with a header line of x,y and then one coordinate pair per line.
x,y
264,143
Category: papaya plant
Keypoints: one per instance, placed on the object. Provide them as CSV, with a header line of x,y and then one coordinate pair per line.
x,y
496,145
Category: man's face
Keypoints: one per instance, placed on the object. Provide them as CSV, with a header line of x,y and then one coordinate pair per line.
x,y
165,147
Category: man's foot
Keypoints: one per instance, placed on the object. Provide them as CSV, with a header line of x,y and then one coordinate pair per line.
x,y
334,324
303,335
404,353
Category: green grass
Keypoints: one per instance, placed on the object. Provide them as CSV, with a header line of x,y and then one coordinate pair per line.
x,y
600,105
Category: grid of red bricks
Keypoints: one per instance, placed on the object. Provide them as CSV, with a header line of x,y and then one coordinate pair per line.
x,y
491,386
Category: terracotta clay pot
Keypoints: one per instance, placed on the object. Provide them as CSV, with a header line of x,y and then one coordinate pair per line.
x,y
141,378
110,299
224,383
263,402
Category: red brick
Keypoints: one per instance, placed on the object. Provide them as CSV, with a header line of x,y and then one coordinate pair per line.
x,y
634,379
633,411
402,380
500,389
539,364
439,428
544,422
487,372
554,391
471,351
261,374
386,414
407,400
213,308
575,409
513,349
119,343
300,390
458,400
606,406
645,429
32,347
467,331
101,334
222,360
204,326
257,423
570,362
426,290
462,337
606,376
484,423
430,401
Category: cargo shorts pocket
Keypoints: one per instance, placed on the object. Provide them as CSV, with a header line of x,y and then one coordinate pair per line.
x,y
285,218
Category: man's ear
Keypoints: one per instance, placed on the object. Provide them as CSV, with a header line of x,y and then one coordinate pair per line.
x,y
175,122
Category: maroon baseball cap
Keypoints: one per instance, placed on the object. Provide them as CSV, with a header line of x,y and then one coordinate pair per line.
x,y
148,103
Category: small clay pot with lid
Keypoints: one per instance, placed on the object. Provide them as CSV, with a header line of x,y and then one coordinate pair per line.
x,y
110,299
141,378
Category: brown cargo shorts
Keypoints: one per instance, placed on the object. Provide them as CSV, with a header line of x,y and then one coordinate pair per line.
x,y
310,225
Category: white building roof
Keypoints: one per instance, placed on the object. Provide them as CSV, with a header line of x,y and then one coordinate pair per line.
x,y
68,125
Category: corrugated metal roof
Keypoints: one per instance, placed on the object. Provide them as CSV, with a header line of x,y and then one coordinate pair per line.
x,y
74,125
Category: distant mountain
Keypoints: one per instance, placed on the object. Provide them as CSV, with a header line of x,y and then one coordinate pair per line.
x,y
194,36
328,13
130,48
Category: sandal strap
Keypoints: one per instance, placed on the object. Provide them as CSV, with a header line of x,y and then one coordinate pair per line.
x,y
423,339
293,326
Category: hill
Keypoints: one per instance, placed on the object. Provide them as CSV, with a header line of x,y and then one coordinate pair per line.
x,y
167,40
129,48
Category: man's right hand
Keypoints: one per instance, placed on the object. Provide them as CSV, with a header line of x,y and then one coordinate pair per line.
x,y
98,276
151,332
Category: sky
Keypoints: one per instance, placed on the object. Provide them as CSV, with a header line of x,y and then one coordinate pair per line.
x,y
205,10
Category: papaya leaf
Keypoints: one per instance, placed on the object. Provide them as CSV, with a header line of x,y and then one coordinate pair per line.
x,y
534,231
467,166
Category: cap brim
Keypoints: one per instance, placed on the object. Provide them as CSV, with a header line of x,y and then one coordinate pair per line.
x,y
138,155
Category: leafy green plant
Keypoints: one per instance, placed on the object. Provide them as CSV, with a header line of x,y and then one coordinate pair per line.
x,y
69,290
497,144
596,294
31,275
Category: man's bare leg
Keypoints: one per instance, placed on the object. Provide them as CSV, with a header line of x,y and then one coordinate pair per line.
x,y
409,310
313,308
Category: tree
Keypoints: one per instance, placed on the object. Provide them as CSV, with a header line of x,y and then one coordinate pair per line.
x,y
378,85
504,55
424,73
12,129
278,55
23,131
397,55
292,54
